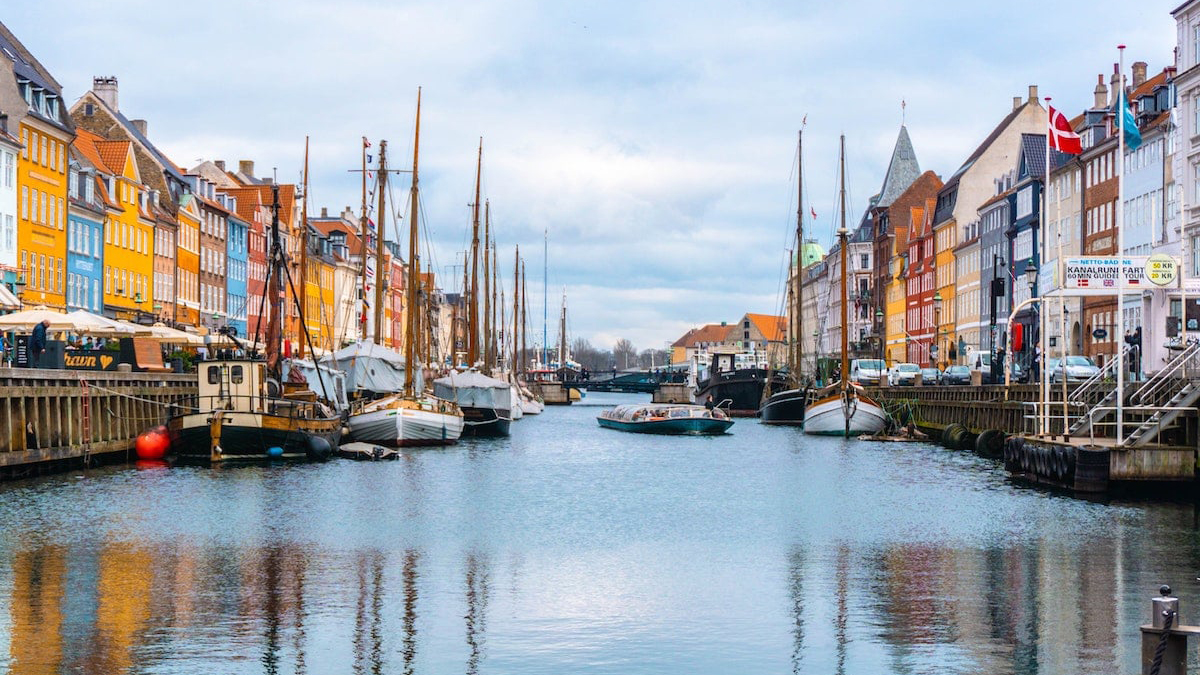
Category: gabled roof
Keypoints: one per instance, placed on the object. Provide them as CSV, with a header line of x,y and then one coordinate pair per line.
x,y
772,327
713,332
902,170
248,201
26,66
987,142
1033,155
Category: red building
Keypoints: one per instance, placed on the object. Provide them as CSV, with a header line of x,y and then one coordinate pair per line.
x,y
920,286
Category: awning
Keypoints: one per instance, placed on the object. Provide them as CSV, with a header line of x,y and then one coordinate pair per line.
x,y
7,299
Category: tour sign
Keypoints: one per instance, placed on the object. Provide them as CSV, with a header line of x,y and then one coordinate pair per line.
x,y
1161,269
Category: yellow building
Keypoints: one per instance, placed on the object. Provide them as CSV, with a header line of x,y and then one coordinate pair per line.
x,y
42,199
187,260
128,231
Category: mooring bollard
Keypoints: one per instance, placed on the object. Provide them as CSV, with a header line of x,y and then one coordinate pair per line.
x,y
1164,639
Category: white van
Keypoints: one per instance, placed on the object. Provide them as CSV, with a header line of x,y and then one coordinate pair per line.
x,y
867,371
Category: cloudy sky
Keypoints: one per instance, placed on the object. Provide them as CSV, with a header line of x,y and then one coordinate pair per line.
x,y
653,141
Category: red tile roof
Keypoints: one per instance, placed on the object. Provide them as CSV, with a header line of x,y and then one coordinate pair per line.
x,y
772,327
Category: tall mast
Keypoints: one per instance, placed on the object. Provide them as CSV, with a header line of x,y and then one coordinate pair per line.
x,y
843,241
496,324
414,269
274,336
545,298
516,310
466,301
562,335
379,218
473,308
487,289
303,254
524,324
797,356
362,230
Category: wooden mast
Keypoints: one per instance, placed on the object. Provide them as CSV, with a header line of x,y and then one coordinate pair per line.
x,y
487,289
497,322
303,256
362,231
844,241
562,337
414,269
524,310
466,300
379,221
797,357
473,307
516,310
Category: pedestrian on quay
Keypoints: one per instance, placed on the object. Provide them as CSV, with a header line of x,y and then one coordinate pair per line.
x,y
37,342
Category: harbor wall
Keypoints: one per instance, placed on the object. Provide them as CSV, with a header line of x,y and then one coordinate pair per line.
x,y
54,420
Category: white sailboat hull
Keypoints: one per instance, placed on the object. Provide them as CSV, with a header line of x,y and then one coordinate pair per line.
x,y
827,417
400,426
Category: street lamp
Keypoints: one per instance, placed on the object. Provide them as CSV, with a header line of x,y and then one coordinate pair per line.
x,y
996,292
879,331
937,323
1031,274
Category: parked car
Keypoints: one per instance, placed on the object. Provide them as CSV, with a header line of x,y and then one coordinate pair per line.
x,y
1078,369
957,375
903,374
867,371
931,376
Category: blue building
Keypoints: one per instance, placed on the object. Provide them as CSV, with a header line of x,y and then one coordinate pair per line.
x,y
85,232
1024,234
237,252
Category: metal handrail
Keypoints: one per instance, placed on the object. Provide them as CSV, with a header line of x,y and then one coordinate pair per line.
x,y
1050,415
1128,408
1099,377
1168,372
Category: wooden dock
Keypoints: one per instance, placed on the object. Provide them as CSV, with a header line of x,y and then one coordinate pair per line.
x,y
53,420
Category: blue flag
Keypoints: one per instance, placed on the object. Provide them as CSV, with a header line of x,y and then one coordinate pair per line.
x,y
1133,137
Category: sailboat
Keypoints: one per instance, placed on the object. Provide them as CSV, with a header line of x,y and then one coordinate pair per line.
x,y
525,400
788,406
485,401
409,417
843,408
253,409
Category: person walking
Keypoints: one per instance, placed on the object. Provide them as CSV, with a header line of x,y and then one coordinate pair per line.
x,y
37,342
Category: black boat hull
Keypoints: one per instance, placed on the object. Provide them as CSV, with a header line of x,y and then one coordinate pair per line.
x,y
485,422
191,442
785,408
739,392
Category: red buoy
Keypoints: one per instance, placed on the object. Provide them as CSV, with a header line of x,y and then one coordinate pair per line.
x,y
153,443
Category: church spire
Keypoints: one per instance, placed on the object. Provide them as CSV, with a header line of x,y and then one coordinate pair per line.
x,y
902,170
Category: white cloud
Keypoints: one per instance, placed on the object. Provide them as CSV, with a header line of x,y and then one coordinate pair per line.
x,y
653,140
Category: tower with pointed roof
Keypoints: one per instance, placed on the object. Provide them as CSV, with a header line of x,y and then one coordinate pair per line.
x,y
904,186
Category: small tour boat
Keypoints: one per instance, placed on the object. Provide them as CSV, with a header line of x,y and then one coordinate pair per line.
x,y
666,419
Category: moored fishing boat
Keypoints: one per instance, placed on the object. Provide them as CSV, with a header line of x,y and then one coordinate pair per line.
x,y
247,408
408,417
484,401
843,409
666,419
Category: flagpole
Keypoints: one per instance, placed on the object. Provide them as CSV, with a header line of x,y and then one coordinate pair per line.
x,y
1039,350
1121,103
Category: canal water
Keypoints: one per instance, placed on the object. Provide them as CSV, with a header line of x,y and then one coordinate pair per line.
x,y
574,549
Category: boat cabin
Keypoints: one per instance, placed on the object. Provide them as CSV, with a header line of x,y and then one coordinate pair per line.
x,y
239,385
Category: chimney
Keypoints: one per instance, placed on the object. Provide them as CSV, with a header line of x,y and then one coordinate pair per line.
x,y
1101,93
324,211
246,168
1139,73
1016,102
1033,97
105,88
220,164
1116,85
140,125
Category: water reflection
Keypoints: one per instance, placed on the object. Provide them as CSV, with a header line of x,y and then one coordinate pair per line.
x,y
674,557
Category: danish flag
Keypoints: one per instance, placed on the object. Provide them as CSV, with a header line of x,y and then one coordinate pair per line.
x,y
1062,137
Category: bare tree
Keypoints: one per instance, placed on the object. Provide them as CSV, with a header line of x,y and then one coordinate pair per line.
x,y
589,357
624,352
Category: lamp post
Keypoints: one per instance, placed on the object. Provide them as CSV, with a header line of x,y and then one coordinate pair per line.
x,y
879,332
997,263
937,324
